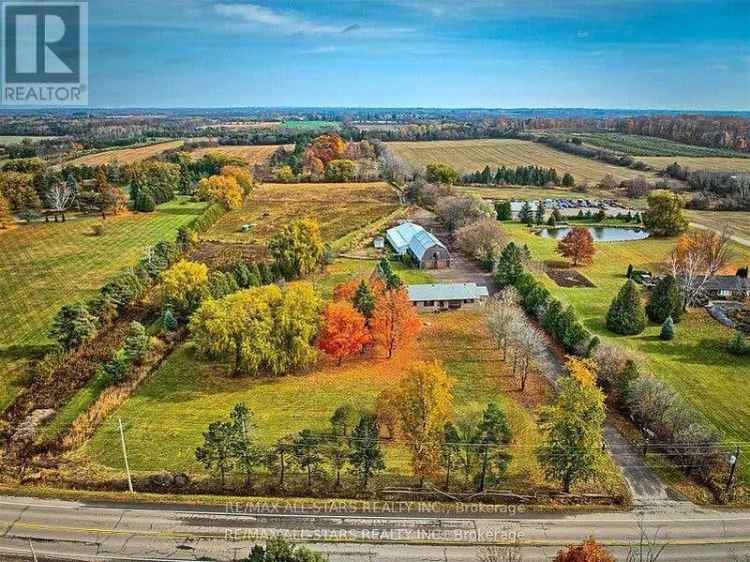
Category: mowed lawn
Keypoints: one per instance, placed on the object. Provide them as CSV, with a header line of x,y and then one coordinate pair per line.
x,y
695,362
43,266
250,154
125,155
471,155
165,418
340,208
713,163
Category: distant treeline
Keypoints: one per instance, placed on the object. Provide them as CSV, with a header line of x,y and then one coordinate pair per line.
x,y
521,175
715,190
573,147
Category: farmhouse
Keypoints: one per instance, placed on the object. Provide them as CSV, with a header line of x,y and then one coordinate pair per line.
x,y
727,287
421,245
443,296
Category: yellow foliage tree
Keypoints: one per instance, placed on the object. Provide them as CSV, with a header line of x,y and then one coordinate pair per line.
x,y
583,370
243,176
424,403
6,217
221,189
182,284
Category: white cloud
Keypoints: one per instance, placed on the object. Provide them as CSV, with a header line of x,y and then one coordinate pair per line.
x,y
582,34
288,22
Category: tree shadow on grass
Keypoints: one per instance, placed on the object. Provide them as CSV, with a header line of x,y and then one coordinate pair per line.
x,y
29,352
181,211
706,351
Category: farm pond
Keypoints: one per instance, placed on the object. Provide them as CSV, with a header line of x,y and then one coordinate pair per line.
x,y
600,233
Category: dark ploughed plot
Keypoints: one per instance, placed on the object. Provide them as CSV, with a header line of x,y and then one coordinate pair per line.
x,y
569,278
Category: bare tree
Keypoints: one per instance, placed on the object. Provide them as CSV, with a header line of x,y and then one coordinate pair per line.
x,y
508,553
647,548
697,257
502,319
528,344
60,197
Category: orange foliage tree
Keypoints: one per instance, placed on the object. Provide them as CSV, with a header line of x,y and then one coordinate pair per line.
x,y
344,331
346,291
578,245
589,551
394,321
327,147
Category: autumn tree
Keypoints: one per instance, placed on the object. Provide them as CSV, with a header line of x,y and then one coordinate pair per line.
x,y
298,248
578,245
502,319
588,551
341,170
394,321
344,292
224,189
572,446
481,239
6,216
664,215
243,176
343,332
183,285
698,256
424,401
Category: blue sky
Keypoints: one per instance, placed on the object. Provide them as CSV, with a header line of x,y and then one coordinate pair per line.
x,y
688,54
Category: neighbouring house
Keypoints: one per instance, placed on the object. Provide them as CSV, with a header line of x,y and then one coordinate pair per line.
x,y
447,296
725,287
379,242
422,246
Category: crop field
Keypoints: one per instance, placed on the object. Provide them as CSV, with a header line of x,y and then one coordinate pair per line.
x,y
695,362
339,208
640,145
43,266
738,222
188,392
471,155
716,164
250,154
125,155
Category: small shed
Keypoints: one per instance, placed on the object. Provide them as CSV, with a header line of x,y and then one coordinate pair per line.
x,y
379,242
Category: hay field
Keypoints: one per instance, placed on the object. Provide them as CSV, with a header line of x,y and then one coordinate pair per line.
x,y
125,155
339,208
250,154
713,163
472,155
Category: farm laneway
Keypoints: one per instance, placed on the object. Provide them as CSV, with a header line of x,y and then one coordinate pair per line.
x,y
645,486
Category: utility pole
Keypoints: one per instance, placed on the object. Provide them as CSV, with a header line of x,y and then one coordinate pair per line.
x,y
734,459
125,456
33,552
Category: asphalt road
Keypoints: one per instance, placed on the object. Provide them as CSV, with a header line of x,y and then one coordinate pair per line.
x,y
63,530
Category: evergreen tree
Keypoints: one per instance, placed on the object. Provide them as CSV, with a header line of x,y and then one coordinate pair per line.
x,y
244,451
509,265
551,221
667,329
526,215
168,320
629,273
738,345
366,457
539,214
364,300
137,343
493,433
568,181
73,325
626,316
503,210
216,451
307,452
665,301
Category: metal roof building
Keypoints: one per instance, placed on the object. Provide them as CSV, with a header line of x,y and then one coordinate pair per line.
x,y
423,241
446,295
400,236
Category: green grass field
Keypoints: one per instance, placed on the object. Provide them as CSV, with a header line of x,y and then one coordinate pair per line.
x,y
695,362
640,145
43,266
165,418
18,139
310,124
471,155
